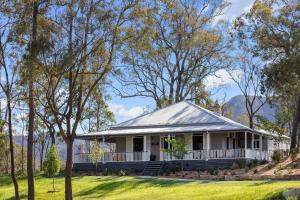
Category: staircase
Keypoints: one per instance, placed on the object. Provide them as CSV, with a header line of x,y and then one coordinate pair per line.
x,y
153,168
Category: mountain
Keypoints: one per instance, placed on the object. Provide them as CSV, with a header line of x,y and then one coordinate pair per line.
x,y
236,105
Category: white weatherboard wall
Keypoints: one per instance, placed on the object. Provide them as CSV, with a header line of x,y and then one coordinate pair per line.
x,y
129,147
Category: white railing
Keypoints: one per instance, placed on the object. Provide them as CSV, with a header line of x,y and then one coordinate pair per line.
x,y
191,155
224,154
113,157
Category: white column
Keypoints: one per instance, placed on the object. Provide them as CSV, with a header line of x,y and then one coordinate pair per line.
x,y
252,141
160,148
169,147
103,142
145,143
129,148
245,144
207,144
260,142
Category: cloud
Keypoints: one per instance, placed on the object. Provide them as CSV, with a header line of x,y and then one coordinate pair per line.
x,y
221,78
120,111
234,10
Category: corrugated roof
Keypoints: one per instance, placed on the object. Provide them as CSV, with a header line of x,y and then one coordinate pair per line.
x,y
177,118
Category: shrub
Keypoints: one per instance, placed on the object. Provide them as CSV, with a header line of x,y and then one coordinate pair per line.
x,y
167,172
280,167
216,172
277,156
105,172
292,198
263,162
235,166
51,164
293,155
295,164
246,169
253,163
290,171
225,173
211,171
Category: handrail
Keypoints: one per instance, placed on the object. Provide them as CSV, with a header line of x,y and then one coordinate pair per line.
x,y
191,155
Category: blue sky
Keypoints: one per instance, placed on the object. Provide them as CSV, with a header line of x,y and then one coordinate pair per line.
x,y
125,109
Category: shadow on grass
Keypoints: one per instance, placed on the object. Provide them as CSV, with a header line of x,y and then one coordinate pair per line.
x,y
22,196
276,196
110,185
263,183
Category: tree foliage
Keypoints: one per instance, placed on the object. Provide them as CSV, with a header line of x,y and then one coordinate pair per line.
x,y
274,27
52,163
172,48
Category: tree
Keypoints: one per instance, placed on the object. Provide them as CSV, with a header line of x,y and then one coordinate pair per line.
x,y
274,27
96,153
97,116
51,165
249,75
178,148
277,130
81,56
8,71
172,48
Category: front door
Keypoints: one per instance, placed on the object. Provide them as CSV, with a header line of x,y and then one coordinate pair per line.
x,y
155,148
138,147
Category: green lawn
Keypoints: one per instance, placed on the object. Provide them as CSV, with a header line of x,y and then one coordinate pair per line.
x,y
93,187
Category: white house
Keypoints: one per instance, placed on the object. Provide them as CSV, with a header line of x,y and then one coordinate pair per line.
x,y
207,136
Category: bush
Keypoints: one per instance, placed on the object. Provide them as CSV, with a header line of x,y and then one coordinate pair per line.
x,y
105,172
234,166
211,171
290,171
253,163
277,156
51,165
292,198
263,162
293,155
216,172
295,164
246,169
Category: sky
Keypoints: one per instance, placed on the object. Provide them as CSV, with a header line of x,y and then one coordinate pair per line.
x,y
125,109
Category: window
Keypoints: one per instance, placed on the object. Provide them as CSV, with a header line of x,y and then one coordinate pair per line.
x,y
198,142
256,144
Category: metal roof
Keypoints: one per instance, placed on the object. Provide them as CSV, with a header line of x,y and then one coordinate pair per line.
x,y
182,117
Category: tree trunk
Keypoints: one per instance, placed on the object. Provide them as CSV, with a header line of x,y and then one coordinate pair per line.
x,y
22,153
68,176
11,145
295,126
30,177
42,155
30,144
251,122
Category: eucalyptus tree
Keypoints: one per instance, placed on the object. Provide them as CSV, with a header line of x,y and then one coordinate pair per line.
x,y
275,28
81,56
173,48
8,72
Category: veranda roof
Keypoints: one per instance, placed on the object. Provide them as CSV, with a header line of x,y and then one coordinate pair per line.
x,y
182,117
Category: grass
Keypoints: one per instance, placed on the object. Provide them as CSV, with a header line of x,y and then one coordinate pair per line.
x,y
114,188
